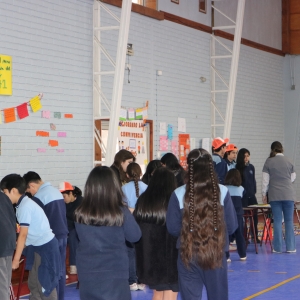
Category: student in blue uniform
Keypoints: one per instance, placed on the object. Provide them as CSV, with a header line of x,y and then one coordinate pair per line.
x,y
103,224
218,150
230,156
233,182
73,198
7,245
198,214
132,190
52,202
35,231
247,172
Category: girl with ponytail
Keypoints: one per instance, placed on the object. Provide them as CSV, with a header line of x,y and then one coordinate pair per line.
x,y
198,214
132,190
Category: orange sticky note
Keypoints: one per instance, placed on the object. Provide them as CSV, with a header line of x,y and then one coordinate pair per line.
x,y
9,115
53,143
42,133
69,116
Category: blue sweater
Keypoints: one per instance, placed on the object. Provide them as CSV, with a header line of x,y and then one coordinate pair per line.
x,y
175,212
237,193
102,252
248,181
54,207
220,166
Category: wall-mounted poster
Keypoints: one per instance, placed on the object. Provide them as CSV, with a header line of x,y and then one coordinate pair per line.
x,y
184,149
132,137
5,75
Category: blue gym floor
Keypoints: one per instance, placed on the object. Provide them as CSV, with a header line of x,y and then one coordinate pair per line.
x,y
264,275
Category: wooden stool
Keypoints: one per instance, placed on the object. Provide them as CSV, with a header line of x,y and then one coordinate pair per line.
x,y
296,210
248,217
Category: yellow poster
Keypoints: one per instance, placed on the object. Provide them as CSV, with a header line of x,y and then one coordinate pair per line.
x,y
5,75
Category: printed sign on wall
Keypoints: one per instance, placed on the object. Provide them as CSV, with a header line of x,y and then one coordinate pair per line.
x,y
132,137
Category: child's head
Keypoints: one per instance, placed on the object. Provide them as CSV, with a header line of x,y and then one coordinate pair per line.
x,y
203,234
13,186
219,146
122,159
170,161
276,147
243,157
102,201
231,152
134,172
69,192
32,181
151,167
233,177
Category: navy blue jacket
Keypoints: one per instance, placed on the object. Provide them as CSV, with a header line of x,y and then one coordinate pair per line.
x,y
248,181
220,166
102,252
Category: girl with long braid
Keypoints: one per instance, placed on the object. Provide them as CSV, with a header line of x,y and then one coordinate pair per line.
x,y
198,214
132,190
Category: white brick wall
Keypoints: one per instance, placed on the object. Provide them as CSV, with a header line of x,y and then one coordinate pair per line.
x,y
50,42
183,55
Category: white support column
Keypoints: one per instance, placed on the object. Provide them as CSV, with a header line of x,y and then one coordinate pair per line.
x,y
118,82
234,67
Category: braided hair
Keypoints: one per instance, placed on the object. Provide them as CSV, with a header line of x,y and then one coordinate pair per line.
x,y
134,173
203,228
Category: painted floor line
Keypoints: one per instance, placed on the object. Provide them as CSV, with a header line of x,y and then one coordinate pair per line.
x,y
272,287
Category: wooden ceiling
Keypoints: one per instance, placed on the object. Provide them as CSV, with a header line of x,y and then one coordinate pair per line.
x,y
291,26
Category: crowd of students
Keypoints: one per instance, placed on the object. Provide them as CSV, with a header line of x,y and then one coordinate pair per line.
x,y
169,230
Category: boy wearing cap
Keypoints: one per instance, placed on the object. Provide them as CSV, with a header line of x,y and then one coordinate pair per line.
x,y
52,201
36,234
230,156
73,198
220,165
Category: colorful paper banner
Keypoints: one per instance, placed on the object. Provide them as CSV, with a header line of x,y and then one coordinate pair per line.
x,y
9,115
22,111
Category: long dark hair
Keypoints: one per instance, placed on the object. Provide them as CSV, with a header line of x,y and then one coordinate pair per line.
x,y
203,227
120,157
240,161
171,162
276,147
233,177
151,207
102,202
134,173
151,167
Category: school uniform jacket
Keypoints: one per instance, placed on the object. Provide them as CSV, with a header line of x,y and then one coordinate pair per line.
x,y
175,211
220,166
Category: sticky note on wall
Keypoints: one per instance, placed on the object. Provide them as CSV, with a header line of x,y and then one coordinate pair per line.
x,y
46,114
42,133
61,134
69,116
53,143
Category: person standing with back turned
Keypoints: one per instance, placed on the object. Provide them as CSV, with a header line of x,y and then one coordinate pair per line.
x,y
278,178
52,201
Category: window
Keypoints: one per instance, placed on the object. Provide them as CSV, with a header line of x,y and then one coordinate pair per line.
x,y
146,3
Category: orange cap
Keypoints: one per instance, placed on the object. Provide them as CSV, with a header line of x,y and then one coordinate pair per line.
x,y
65,186
218,142
231,147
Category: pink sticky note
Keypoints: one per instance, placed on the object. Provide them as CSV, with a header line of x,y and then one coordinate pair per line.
x,y
60,150
41,150
46,114
61,134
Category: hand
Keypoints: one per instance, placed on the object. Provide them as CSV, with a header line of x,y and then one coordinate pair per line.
x,y
264,199
15,264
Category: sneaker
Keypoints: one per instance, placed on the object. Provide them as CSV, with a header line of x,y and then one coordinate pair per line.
x,y
275,251
73,270
232,248
141,286
228,260
243,258
133,287
291,251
